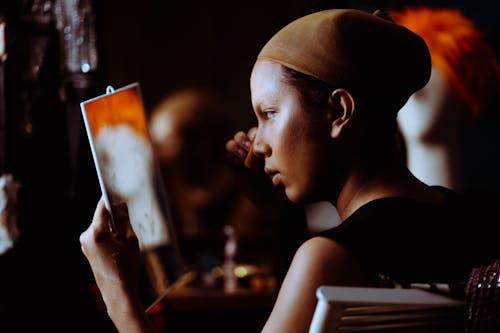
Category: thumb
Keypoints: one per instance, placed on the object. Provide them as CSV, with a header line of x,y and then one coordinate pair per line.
x,y
101,222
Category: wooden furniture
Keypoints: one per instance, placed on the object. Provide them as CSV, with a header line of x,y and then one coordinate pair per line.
x,y
190,309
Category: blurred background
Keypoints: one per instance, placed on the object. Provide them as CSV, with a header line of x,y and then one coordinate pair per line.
x,y
58,53
166,45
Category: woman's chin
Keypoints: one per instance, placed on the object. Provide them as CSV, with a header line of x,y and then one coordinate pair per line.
x,y
294,196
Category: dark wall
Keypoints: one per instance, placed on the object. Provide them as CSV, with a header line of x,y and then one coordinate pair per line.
x,y
165,45
170,44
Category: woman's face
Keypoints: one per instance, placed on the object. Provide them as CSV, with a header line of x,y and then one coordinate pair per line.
x,y
292,140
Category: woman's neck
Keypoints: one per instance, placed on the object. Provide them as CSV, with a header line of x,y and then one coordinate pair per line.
x,y
393,180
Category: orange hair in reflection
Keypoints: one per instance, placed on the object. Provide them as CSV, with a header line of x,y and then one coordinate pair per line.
x,y
458,49
120,108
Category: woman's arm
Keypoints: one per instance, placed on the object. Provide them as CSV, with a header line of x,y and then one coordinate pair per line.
x,y
114,258
319,261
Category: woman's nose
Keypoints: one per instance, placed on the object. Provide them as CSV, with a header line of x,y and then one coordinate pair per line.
x,y
260,148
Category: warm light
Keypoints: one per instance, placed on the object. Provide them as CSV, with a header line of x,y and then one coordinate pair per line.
x,y
241,271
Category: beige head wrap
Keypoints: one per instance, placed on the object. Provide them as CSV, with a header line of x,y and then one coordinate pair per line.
x,y
356,50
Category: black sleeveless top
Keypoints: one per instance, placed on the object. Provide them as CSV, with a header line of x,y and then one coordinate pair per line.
x,y
412,241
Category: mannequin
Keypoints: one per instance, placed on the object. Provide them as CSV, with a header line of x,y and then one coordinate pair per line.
x,y
463,83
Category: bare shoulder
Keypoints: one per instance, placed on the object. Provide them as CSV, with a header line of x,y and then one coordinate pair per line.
x,y
319,261
320,249
326,261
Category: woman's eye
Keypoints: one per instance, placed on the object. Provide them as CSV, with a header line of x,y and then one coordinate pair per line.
x,y
268,114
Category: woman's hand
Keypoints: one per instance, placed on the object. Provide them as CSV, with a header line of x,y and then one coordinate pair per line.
x,y
115,260
251,177
240,150
250,170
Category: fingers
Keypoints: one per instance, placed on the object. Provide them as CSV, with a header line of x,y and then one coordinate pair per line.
x,y
252,132
250,157
238,147
101,220
98,228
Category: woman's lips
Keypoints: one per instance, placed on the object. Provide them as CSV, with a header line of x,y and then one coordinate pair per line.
x,y
275,178
274,175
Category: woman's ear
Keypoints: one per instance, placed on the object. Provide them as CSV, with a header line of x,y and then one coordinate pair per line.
x,y
342,104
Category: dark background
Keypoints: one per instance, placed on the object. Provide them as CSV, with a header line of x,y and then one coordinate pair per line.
x,y
45,281
169,44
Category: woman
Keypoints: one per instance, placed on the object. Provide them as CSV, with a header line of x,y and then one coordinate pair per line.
x,y
326,90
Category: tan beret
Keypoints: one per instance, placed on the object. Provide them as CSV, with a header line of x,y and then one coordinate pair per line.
x,y
356,50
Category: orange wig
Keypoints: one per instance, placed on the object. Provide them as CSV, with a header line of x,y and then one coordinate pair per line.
x,y
458,49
